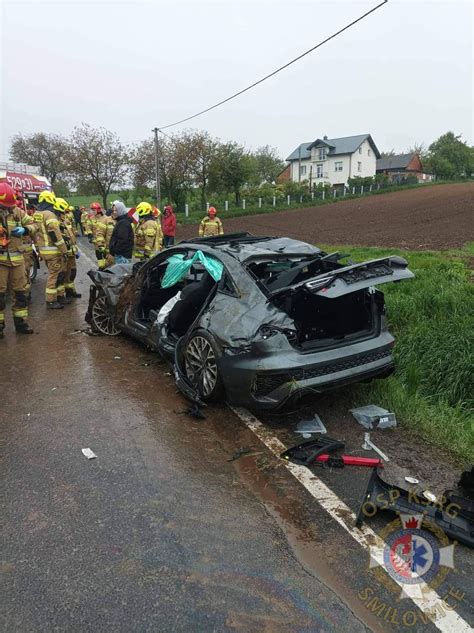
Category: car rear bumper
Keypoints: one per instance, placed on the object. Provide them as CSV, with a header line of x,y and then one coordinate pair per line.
x,y
268,381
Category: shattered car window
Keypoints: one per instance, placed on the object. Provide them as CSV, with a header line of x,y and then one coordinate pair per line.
x,y
278,273
178,267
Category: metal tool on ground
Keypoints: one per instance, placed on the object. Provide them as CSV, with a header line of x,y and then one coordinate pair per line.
x,y
371,416
321,451
307,427
457,523
368,445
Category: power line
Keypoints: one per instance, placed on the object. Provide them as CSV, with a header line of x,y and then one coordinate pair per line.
x,y
331,37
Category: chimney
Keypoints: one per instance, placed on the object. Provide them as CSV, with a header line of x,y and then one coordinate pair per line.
x,y
325,138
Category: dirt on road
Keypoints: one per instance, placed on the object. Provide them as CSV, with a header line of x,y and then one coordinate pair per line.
x,y
432,218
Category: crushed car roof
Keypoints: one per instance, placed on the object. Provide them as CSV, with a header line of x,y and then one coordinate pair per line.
x,y
245,246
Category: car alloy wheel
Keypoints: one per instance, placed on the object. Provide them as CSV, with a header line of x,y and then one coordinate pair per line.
x,y
200,365
101,318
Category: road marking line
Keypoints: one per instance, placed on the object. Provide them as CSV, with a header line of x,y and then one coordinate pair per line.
x,y
450,622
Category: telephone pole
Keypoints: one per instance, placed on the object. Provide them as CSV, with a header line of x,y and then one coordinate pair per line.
x,y
157,167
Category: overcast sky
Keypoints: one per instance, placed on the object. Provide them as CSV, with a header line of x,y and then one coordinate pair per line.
x,y
405,74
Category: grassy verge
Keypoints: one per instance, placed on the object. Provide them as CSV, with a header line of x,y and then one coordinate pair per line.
x,y
431,317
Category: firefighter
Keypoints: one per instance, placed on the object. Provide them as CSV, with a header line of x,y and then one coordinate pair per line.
x,y
102,228
148,234
69,214
15,223
86,224
69,235
211,225
52,249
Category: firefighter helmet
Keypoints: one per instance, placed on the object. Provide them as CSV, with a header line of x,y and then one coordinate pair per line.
x,y
144,208
61,205
7,195
212,211
47,196
156,212
95,206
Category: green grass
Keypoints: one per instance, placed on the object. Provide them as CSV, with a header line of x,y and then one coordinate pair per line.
x,y
432,319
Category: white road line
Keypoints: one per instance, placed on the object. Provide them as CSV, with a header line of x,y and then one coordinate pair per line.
x,y
430,602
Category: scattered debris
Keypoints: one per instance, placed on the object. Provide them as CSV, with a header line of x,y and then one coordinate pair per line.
x,y
307,427
195,412
412,480
88,453
146,364
117,357
429,495
320,451
54,389
459,524
372,416
28,415
168,373
240,452
368,445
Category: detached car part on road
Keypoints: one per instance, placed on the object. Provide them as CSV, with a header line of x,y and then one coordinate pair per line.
x,y
258,320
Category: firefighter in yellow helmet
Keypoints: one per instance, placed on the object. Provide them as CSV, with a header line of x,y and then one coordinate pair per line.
x,y
86,223
102,229
71,219
69,236
52,249
14,224
211,225
148,234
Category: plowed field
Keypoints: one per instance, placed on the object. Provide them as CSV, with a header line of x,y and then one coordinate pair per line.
x,y
436,217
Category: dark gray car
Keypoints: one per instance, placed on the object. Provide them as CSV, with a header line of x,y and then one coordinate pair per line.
x,y
282,317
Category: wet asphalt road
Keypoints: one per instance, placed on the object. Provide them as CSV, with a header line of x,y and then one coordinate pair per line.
x,y
161,532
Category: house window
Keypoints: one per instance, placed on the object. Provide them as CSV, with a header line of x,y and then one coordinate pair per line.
x,y
369,152
360,150
338,165
303,170
322,153
359,166
319,170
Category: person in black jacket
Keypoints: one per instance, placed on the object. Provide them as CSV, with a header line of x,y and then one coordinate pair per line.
x,y
121,240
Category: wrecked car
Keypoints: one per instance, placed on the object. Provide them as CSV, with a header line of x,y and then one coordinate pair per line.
x,y
253,320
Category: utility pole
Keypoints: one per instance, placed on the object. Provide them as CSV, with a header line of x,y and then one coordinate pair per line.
x,y
157,168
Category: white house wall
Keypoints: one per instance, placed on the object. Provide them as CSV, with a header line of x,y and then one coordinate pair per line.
x,y
369,163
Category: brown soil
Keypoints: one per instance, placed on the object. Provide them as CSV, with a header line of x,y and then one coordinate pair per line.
x,y
436,217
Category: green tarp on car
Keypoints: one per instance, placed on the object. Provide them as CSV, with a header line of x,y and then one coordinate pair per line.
x,y
178,267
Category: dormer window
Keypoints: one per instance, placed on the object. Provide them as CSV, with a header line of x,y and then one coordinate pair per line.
x,y
322,153
360,150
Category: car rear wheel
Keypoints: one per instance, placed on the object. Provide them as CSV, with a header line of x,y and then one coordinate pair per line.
x,y
101,320
201,366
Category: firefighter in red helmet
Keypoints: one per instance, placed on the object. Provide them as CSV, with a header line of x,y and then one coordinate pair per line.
x,y
15,223
211,225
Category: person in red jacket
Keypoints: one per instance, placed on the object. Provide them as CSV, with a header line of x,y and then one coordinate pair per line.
x,y
169,226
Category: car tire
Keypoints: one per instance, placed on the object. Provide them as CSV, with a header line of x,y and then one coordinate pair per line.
x,y
33,270
101,320
200,360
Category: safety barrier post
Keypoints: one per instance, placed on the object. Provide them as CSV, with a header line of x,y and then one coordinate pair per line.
x,y
362,189
259,203
274,200
243,204
288,198
353,190
207,206
186,210
335,193
344,192
226,205
312,195
324,193
370,188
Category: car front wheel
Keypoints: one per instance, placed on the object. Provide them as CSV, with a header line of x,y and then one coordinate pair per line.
x,y
200,363
101,319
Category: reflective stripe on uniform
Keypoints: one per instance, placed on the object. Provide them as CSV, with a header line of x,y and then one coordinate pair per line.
x,y
21,314
48,250
2,317
51,291
11,257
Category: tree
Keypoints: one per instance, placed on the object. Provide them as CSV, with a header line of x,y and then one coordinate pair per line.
x,y
230,169
268,164
417,148
202,150
388,154
97,155
450,157
46,151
